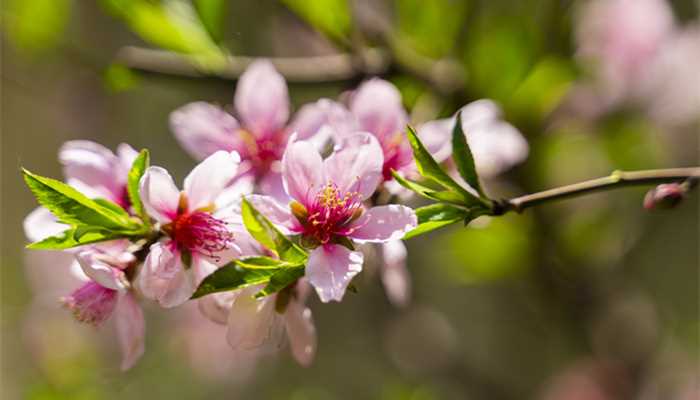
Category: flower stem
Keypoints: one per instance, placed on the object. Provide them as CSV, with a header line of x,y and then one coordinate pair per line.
x,y
615,180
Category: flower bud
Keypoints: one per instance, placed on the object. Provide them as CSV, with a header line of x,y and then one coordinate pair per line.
x,y
664,196
91,303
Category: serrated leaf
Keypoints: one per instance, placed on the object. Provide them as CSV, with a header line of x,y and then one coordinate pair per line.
x,y
68,239
231,277
280,280
138,168
430,169
463,157
74,208
265,232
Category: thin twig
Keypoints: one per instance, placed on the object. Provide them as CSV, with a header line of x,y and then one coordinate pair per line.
x,y
615,180
329,68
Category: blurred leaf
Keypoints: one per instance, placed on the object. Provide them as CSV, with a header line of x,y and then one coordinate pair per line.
x,y
630,142
72,207
265,232
543,88
231,277
212,13
37,25
73,238
463,158
280,280
330,17
430,27
119,78
137,170
498,250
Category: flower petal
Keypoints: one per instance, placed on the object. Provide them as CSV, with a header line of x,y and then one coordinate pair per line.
x,y
330,269
302,171
312,117
384,223
261,99
164,278
209,178
252,322
275,212
377,106
101,272
40,224
271,184
356,164
217,306
202,129
91,168
131,329
126,155
159,194
301,332
437,137
395,276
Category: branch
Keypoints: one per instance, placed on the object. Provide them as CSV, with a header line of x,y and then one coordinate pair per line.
x,y
330,68
616,180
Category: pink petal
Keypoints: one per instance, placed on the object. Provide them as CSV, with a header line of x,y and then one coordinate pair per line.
x,y
159,194
91,168
384,223
275,212
377,106
312,117
40,224
437,137
216,307
209,179
395,276
301,332
164,278
202,129
271,184
356,164
126,155
330,269
101,272
253,322
261,99
302,171
131,329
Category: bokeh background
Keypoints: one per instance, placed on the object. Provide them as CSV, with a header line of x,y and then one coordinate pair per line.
x,y
591,299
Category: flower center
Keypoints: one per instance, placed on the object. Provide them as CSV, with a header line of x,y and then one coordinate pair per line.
x,y
394,157
91,303
263,152
200,232
330,214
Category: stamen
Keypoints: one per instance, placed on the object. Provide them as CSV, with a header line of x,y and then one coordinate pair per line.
x,y
200,232
330,214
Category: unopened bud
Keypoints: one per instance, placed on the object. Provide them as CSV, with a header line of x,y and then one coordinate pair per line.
x,y
664,196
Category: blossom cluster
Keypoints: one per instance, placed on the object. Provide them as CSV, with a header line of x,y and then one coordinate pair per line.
x,y
277,207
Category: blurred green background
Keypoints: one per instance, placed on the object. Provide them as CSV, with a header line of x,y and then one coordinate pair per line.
x,y
595,292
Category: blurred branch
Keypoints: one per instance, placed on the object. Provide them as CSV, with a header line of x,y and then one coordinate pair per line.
x,y
616,180
330,68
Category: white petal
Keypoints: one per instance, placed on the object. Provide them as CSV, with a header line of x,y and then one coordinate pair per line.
x,y
301,332
330,269
131,329
159,194
209,179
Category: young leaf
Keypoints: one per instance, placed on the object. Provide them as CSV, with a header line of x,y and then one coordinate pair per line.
x,y
72,207
429,168
265,232
135,173
443,195
262,262
231,277
280,280
462,155
436,216
70,238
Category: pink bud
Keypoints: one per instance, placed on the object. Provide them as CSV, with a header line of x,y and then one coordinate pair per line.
x,y
664,196
91,303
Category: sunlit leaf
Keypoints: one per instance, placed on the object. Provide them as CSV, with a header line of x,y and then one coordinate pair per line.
x,y
72,238
463,158
430,27
331,17
265,232
138,168
231,277
280,280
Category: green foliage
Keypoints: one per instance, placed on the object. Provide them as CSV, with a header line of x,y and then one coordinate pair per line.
x,y
430,27
462,155
542,89
330,17
138,168
265,232
212,13
37,25
238,274
436,216
119,78
90,220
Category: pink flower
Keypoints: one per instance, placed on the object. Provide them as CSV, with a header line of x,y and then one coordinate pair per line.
x,y
327,208
199,228
254,324
108,292
259,135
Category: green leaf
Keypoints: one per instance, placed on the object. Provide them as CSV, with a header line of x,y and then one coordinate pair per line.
x,y
137,170
436,216
446,196
114,207
462,155
72,238
330,17
265,232
72,207
231,277
431,27
280,280
211,13
430,169
36,26
263,262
